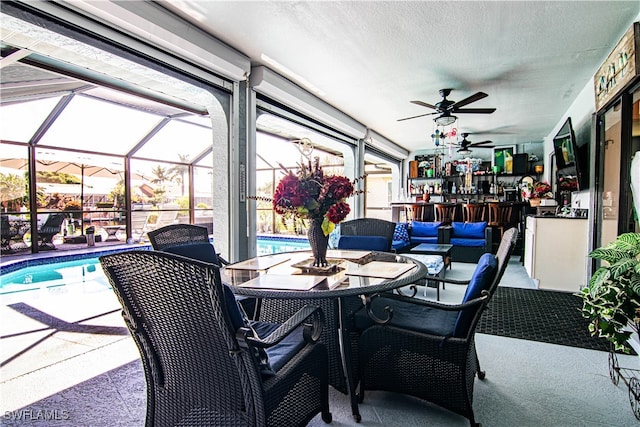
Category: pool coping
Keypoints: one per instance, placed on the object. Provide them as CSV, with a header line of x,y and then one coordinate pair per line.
x,y
50,258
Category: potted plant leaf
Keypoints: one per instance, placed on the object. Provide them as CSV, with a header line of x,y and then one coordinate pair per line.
x,y
611,301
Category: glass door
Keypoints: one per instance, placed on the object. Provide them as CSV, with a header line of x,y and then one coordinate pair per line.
x,y
619,140
635,149
610,149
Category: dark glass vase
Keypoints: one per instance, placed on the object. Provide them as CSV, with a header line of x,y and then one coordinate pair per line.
x,y
318,242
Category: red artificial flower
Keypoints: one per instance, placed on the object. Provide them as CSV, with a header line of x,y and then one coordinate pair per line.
x,y
309,194
337,187
338,212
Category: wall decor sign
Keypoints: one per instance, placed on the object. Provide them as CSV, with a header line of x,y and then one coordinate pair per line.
x,y
502,159
620,67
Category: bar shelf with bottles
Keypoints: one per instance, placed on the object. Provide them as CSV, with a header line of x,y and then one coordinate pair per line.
x,y
430,177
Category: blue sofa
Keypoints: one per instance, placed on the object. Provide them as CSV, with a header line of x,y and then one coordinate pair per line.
x,y
424,232
470,240
408,235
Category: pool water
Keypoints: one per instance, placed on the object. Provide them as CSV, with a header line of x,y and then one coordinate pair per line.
x,y
267,246
51,275
83,270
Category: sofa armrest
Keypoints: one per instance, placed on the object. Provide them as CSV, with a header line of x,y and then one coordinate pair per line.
x,y
444,234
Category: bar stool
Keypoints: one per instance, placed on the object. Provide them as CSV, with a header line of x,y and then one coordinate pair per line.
x,y
414,212
473,212
499,215
444,212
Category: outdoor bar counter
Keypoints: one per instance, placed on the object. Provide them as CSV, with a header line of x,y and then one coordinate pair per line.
x,y
399,209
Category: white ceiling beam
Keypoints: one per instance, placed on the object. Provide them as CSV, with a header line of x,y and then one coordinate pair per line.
x,y
379,142
14,57
269,83
157,26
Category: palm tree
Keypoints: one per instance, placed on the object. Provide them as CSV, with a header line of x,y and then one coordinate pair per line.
x,y
178,171
12,190
162,175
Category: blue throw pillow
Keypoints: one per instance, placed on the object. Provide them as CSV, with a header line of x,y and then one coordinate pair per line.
x,y
370,243
202,251
468,230
425,229
481,280
401,233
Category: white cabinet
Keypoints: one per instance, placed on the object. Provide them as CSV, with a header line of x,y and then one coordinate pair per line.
x,y
556,252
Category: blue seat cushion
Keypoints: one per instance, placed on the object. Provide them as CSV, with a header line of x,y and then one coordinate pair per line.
x,y
481,280
201,251
460,241
425,229
281,353
372,243
468,230
411,316
419,240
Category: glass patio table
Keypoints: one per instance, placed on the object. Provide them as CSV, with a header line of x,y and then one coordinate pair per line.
x,y
285,282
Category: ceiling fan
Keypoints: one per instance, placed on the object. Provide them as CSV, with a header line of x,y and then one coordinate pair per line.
x,y
465,144
446,108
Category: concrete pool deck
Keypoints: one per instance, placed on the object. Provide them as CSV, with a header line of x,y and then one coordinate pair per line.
x,y
56,338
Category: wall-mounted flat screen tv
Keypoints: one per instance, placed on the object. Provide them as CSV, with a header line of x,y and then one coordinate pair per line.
x,y
572,158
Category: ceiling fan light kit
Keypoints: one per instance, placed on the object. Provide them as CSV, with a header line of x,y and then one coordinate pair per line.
x,y
445,120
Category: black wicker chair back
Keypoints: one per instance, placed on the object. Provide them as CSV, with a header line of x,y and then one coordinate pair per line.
x,y
49,229
174,235
418,350
369,227
200,369
177,234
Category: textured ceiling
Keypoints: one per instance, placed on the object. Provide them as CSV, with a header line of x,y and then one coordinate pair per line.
x,y
369,59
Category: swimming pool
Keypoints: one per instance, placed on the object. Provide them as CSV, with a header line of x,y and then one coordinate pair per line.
x,y
267,245
51,275
69,270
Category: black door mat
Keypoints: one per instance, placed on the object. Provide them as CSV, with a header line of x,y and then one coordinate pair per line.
x,y
538,315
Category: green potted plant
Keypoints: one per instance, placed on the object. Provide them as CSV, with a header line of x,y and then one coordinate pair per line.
x,y
611,301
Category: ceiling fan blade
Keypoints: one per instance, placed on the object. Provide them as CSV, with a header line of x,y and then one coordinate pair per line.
x,y
424,104
415,117
473,98
474,110
480,143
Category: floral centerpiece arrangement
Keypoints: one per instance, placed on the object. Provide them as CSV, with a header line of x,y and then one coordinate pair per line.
x,y
568,183
536,191
310,194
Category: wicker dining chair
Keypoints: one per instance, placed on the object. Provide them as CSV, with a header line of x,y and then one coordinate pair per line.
x,y
427,349
369,227
174,235
192,241
204,364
